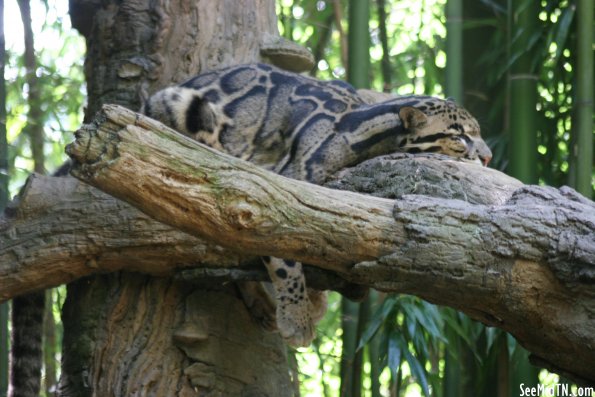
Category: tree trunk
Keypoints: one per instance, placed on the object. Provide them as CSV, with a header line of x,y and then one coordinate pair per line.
x,y
127,334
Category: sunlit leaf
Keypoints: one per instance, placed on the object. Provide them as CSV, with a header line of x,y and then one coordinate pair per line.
x,y
563,27
418,372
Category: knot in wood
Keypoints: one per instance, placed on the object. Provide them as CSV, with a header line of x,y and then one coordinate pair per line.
x,y
243,215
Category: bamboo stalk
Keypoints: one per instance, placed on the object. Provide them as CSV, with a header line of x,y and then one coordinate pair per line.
x,y
358,54
522,141
583,150
358,69
34,126
454,50
349,323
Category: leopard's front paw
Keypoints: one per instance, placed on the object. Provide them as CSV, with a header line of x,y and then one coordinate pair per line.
x,y
295,323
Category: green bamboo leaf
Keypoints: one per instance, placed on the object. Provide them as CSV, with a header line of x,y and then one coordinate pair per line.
x,y
396,345
411,326
376,321
491,336
465,331
480,23
418,371
429,323
533,40
495,5
420,344
505,67
562,32
523,6
511,343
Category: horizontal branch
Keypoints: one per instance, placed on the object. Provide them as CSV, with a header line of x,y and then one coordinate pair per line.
x,y
59,230
523,262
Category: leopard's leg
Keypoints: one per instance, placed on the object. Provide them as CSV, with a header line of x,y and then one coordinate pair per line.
x,y
294,318
260,303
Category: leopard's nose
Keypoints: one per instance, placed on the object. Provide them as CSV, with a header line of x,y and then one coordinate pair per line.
x,y
485,160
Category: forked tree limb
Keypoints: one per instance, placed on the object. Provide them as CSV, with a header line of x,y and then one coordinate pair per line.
x,y
525,264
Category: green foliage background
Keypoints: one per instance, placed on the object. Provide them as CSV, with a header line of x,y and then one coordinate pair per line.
x,y
415,347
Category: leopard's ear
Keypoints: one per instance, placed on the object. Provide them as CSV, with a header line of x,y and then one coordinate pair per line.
x,y
412,118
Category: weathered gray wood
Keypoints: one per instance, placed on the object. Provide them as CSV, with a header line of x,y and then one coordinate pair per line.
x,y
60,230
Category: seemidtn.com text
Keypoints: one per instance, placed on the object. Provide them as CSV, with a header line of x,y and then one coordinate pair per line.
x,y
557,390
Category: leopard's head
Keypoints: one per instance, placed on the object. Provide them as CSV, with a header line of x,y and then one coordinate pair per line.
x,y
440,126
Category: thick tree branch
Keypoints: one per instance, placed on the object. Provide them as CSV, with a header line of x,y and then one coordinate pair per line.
x,y
525,264
59,230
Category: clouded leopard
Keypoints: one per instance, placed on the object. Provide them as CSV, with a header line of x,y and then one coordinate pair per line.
x,y
307,129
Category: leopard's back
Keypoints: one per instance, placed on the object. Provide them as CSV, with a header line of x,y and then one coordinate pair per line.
x,y
305,128
254,112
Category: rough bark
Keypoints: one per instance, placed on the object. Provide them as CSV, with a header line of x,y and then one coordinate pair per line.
x,y
77,231
526,265
167,337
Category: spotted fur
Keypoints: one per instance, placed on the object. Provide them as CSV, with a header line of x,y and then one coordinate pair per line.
x,y
308,129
